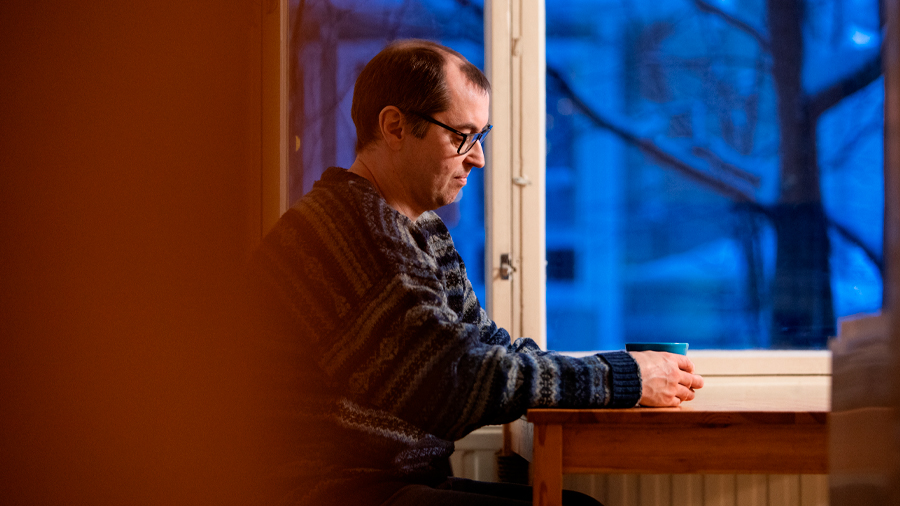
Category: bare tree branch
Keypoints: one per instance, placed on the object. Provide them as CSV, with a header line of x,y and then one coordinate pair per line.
x,y
822,100
827,98
740,24
856,241
677,162
650,147
730,168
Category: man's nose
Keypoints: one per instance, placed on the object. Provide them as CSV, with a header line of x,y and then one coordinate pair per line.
x,y
475,156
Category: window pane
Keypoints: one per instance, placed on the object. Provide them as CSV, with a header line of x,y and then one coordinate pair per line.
x,y
714,171
331,40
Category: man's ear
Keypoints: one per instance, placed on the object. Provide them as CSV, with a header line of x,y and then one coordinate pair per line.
x,y
393,126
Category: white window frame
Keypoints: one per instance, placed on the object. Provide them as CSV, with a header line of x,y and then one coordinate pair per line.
x,y
514,177
274,67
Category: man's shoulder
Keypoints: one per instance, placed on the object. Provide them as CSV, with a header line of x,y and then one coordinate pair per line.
x,y
440,242
340,202
338,191
432,224
343,215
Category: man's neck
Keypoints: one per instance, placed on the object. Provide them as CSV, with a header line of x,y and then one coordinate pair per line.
x,y
381,180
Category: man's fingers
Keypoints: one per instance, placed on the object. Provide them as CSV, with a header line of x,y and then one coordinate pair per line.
x,y
685,378
697,382
667,378
684,394
690,380
684,363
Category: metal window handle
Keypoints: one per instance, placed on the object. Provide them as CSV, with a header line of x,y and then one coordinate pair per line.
x,y
506,267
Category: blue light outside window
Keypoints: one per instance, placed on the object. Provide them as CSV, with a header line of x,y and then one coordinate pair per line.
x,y
669,206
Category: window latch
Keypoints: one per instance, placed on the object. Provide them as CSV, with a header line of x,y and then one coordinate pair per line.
x,y
506,266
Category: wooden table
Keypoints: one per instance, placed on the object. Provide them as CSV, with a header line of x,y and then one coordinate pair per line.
x,y
724,430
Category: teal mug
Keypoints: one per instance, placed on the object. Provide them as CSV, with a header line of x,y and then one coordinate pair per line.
x,y
677,348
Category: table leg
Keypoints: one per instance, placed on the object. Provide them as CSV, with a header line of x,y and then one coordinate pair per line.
x,y
547,461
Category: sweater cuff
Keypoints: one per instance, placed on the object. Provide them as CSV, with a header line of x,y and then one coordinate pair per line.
x,y
625,379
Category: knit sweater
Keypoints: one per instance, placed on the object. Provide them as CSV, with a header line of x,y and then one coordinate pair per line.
x,y
382,354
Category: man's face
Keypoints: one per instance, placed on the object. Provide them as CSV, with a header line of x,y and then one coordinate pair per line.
x,y
434,171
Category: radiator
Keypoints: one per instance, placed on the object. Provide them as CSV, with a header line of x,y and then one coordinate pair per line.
x,y
475,458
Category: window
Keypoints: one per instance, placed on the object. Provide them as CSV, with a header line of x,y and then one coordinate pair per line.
x,y
729,170
330,42
669,208
561,265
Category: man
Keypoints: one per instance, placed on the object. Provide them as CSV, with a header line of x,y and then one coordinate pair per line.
x,y
383,355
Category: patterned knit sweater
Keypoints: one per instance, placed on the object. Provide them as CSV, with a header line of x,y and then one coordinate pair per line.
x,y
382,355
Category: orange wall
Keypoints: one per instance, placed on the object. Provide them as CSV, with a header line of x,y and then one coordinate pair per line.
x,y
130,186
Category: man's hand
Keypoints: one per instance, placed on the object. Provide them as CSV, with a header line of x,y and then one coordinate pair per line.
x,y
667,379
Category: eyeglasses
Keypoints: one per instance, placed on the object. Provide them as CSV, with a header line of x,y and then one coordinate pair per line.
x,y
468,141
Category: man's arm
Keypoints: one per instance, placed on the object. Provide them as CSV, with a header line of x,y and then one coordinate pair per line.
x,y
666,379
418,361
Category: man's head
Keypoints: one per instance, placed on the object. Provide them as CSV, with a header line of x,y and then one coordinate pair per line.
x,y
410,75
420,110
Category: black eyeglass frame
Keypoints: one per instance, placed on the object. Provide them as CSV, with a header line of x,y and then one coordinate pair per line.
x,y
477,136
